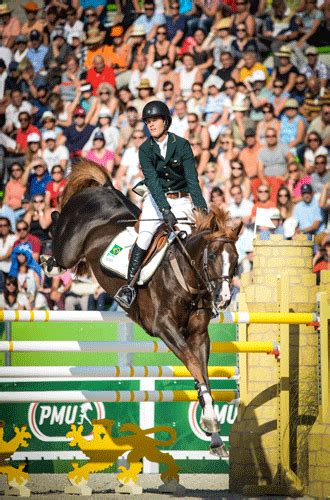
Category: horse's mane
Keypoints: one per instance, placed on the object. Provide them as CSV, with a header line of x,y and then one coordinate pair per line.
x,y
217,223
84,174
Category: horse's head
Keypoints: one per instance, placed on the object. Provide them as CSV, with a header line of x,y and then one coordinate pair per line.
x,y
220,256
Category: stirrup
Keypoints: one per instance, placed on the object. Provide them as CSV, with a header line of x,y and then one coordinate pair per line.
x,y
125,296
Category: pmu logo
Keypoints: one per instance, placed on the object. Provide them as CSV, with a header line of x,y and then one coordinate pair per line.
x,y
226,414
51,422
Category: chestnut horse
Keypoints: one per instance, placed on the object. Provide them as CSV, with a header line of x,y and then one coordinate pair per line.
x,y
177,311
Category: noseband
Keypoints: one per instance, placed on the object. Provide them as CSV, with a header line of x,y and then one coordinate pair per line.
x,y
211,283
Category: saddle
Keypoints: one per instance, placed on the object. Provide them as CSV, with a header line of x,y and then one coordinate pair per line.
x,y
116,257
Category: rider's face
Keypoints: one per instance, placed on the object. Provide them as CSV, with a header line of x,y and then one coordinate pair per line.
x,y
156,126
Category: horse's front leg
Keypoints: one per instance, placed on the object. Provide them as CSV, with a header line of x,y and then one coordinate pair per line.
x,y
199,341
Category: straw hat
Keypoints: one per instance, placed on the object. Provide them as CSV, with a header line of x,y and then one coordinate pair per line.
x,y
285,51
94,36
223,24
292,103
138,30
144,84
4,9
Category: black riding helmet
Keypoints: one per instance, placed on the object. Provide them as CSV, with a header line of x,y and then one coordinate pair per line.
x,y
157,108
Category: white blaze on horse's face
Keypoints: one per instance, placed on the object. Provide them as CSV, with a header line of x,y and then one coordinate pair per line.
x,y
225,289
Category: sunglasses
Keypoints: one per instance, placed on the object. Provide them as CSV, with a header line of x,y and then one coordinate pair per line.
x,y
263,191
231,87
300,82
24,119
161,33
210,171
240,29
57,172
4,225
236,168
148,8
11,284
320,163
270,136
166,63
192,121
138,136
90,15
38,201
39,166
104,92
225,142
197,90
278,86
292,171
313,139
267,110
20,229
284,195
16,170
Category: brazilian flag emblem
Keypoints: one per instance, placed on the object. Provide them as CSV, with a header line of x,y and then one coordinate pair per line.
x,y
115,250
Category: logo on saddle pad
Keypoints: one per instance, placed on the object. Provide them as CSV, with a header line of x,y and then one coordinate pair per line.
x,y
115,250
51,422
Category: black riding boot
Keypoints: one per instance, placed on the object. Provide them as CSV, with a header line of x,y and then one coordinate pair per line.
x,y
126,294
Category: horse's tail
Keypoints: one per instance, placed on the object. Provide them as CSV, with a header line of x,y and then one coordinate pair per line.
x,y
84,175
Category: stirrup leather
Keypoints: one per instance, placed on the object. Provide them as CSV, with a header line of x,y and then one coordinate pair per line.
x,y
125,296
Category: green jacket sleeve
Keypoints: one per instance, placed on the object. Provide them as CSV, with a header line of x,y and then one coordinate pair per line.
x,y
152,181
191,176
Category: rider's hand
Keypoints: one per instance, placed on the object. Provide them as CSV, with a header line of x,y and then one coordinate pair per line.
x,y
169,218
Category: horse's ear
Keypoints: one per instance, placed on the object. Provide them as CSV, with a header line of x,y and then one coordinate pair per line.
x,y
238,228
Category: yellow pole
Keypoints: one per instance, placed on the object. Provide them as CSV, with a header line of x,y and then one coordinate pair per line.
x,y
236,346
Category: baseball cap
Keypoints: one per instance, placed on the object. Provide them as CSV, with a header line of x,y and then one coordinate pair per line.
x,y
33,137
86,87
79,111
49,135
104,113
2,64
48,115
250,132
306,188
21,39
99,135
13,66
35,35
311,51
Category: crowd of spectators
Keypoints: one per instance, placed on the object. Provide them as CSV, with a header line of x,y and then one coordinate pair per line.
x,y
246,82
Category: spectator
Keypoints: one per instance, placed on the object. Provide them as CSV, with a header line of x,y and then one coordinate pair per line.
x,y
321,124
120,56
240,121
275,156
162,48
78,294
7,212
308,213
217,197
239,178
142,71
139,45
299,91
166,74
11,299
34,150
243,16
145,95
215,106
309,20
32,23
197,132
39,219
315,68
85,100
180,119
249,155
14,189
21,48
53,154
176,24
263,199
279,26
150,20
95,47
284,202
93,24
228,69
111,133
16,106
24,236
202,56
292,128
10,28
250,66
55,188
56,57
314,149
278,228
167,95
295,179
314,99
189,74
225,154
36,177
73,26
259,94
219,40
242,43
239,206
77,134
7,239
28,274
24,131
278,98
71,79
286,72
37,51
269,121
48,121
130,163
100,73
197,101
100,155
321,176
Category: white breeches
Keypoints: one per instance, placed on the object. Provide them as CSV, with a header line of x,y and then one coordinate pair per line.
x,y
181,207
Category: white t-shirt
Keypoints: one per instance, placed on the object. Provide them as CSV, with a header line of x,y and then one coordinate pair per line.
x,y
21,302
54,157
12,113
111,136
4,247
130,159
179,127
310,156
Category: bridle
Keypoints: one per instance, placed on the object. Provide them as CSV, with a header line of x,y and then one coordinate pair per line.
x,y
209,282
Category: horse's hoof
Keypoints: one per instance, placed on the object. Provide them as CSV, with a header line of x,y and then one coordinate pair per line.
x,y
220,451
173,487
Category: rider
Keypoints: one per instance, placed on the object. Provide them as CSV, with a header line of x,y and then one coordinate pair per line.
x,y
170,174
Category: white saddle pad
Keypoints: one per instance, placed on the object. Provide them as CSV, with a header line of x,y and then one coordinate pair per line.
x,y
116,256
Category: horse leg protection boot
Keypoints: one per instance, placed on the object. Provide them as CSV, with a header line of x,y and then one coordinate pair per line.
x,y
126,294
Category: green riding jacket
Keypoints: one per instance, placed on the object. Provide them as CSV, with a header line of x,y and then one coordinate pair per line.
x,y
176,173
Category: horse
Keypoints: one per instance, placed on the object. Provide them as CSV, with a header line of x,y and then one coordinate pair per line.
x,y
173,306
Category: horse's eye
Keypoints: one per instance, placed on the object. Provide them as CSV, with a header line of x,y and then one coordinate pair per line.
x,y
212,256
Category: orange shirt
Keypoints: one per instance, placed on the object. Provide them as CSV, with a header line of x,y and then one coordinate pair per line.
x,y
249,158
104,51
119,59
38,25
13,28
14,193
